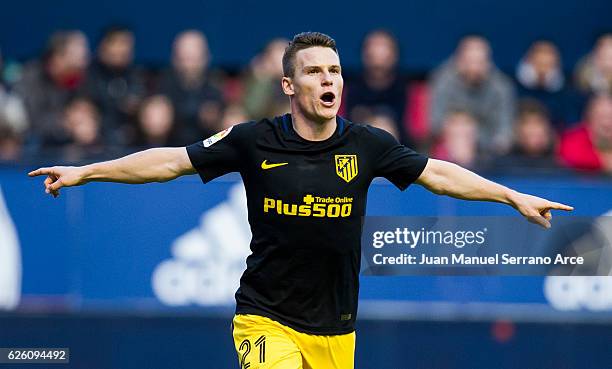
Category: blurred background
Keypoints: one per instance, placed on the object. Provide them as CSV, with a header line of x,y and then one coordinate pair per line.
x,y
144,276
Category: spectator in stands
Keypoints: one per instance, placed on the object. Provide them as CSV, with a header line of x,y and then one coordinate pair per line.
x,y
381,117
458,139
47,85
263,95
10,142
115,85
588,146
534,140
594,72
12,110
79,136
198,102
380,84
234,114
469,81
540,76
156,123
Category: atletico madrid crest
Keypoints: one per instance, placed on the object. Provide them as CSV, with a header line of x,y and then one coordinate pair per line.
x,y
346,167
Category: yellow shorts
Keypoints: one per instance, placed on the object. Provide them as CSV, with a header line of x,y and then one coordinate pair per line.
x,y
262,343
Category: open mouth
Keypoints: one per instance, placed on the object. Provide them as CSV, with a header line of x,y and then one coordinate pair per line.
x,y
328,99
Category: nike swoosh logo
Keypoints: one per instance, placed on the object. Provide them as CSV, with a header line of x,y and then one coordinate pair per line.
x,y
265,165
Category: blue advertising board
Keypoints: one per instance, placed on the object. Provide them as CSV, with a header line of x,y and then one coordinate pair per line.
x,y
181,245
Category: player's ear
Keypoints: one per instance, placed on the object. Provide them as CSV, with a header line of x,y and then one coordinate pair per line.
x,y
287,85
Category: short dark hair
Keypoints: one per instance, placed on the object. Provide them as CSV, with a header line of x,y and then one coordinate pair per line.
x,y
303,41
530,106
113,30
58,41
381,32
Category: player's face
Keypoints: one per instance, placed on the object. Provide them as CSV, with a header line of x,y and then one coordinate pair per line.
x,y
316,87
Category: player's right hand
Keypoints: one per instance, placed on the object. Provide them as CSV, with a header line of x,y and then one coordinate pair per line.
x,y
58,177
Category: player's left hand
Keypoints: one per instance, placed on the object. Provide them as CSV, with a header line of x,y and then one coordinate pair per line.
x,y
537,210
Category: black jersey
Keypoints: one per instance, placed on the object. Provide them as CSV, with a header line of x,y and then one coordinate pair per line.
x,y
306,200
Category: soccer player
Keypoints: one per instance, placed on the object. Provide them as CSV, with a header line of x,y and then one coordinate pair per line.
x,y
306,176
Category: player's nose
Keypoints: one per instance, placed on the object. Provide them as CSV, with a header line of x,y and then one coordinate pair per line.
x,y
326,79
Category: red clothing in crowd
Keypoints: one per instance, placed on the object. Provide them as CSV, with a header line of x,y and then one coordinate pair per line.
x,y
578,151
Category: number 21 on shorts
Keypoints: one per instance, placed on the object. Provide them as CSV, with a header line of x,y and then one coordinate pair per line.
x,y
245,346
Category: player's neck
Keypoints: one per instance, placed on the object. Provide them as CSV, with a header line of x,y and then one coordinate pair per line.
x,y
313,131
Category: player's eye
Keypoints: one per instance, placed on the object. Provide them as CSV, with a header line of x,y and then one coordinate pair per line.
x,y
312,71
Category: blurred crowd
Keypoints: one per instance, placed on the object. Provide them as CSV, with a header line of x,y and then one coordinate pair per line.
x,y
74,104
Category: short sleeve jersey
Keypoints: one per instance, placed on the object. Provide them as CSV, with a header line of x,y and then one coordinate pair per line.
x,y
306,200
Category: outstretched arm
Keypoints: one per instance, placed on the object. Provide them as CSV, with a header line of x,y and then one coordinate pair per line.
x,y
446,178
152,165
